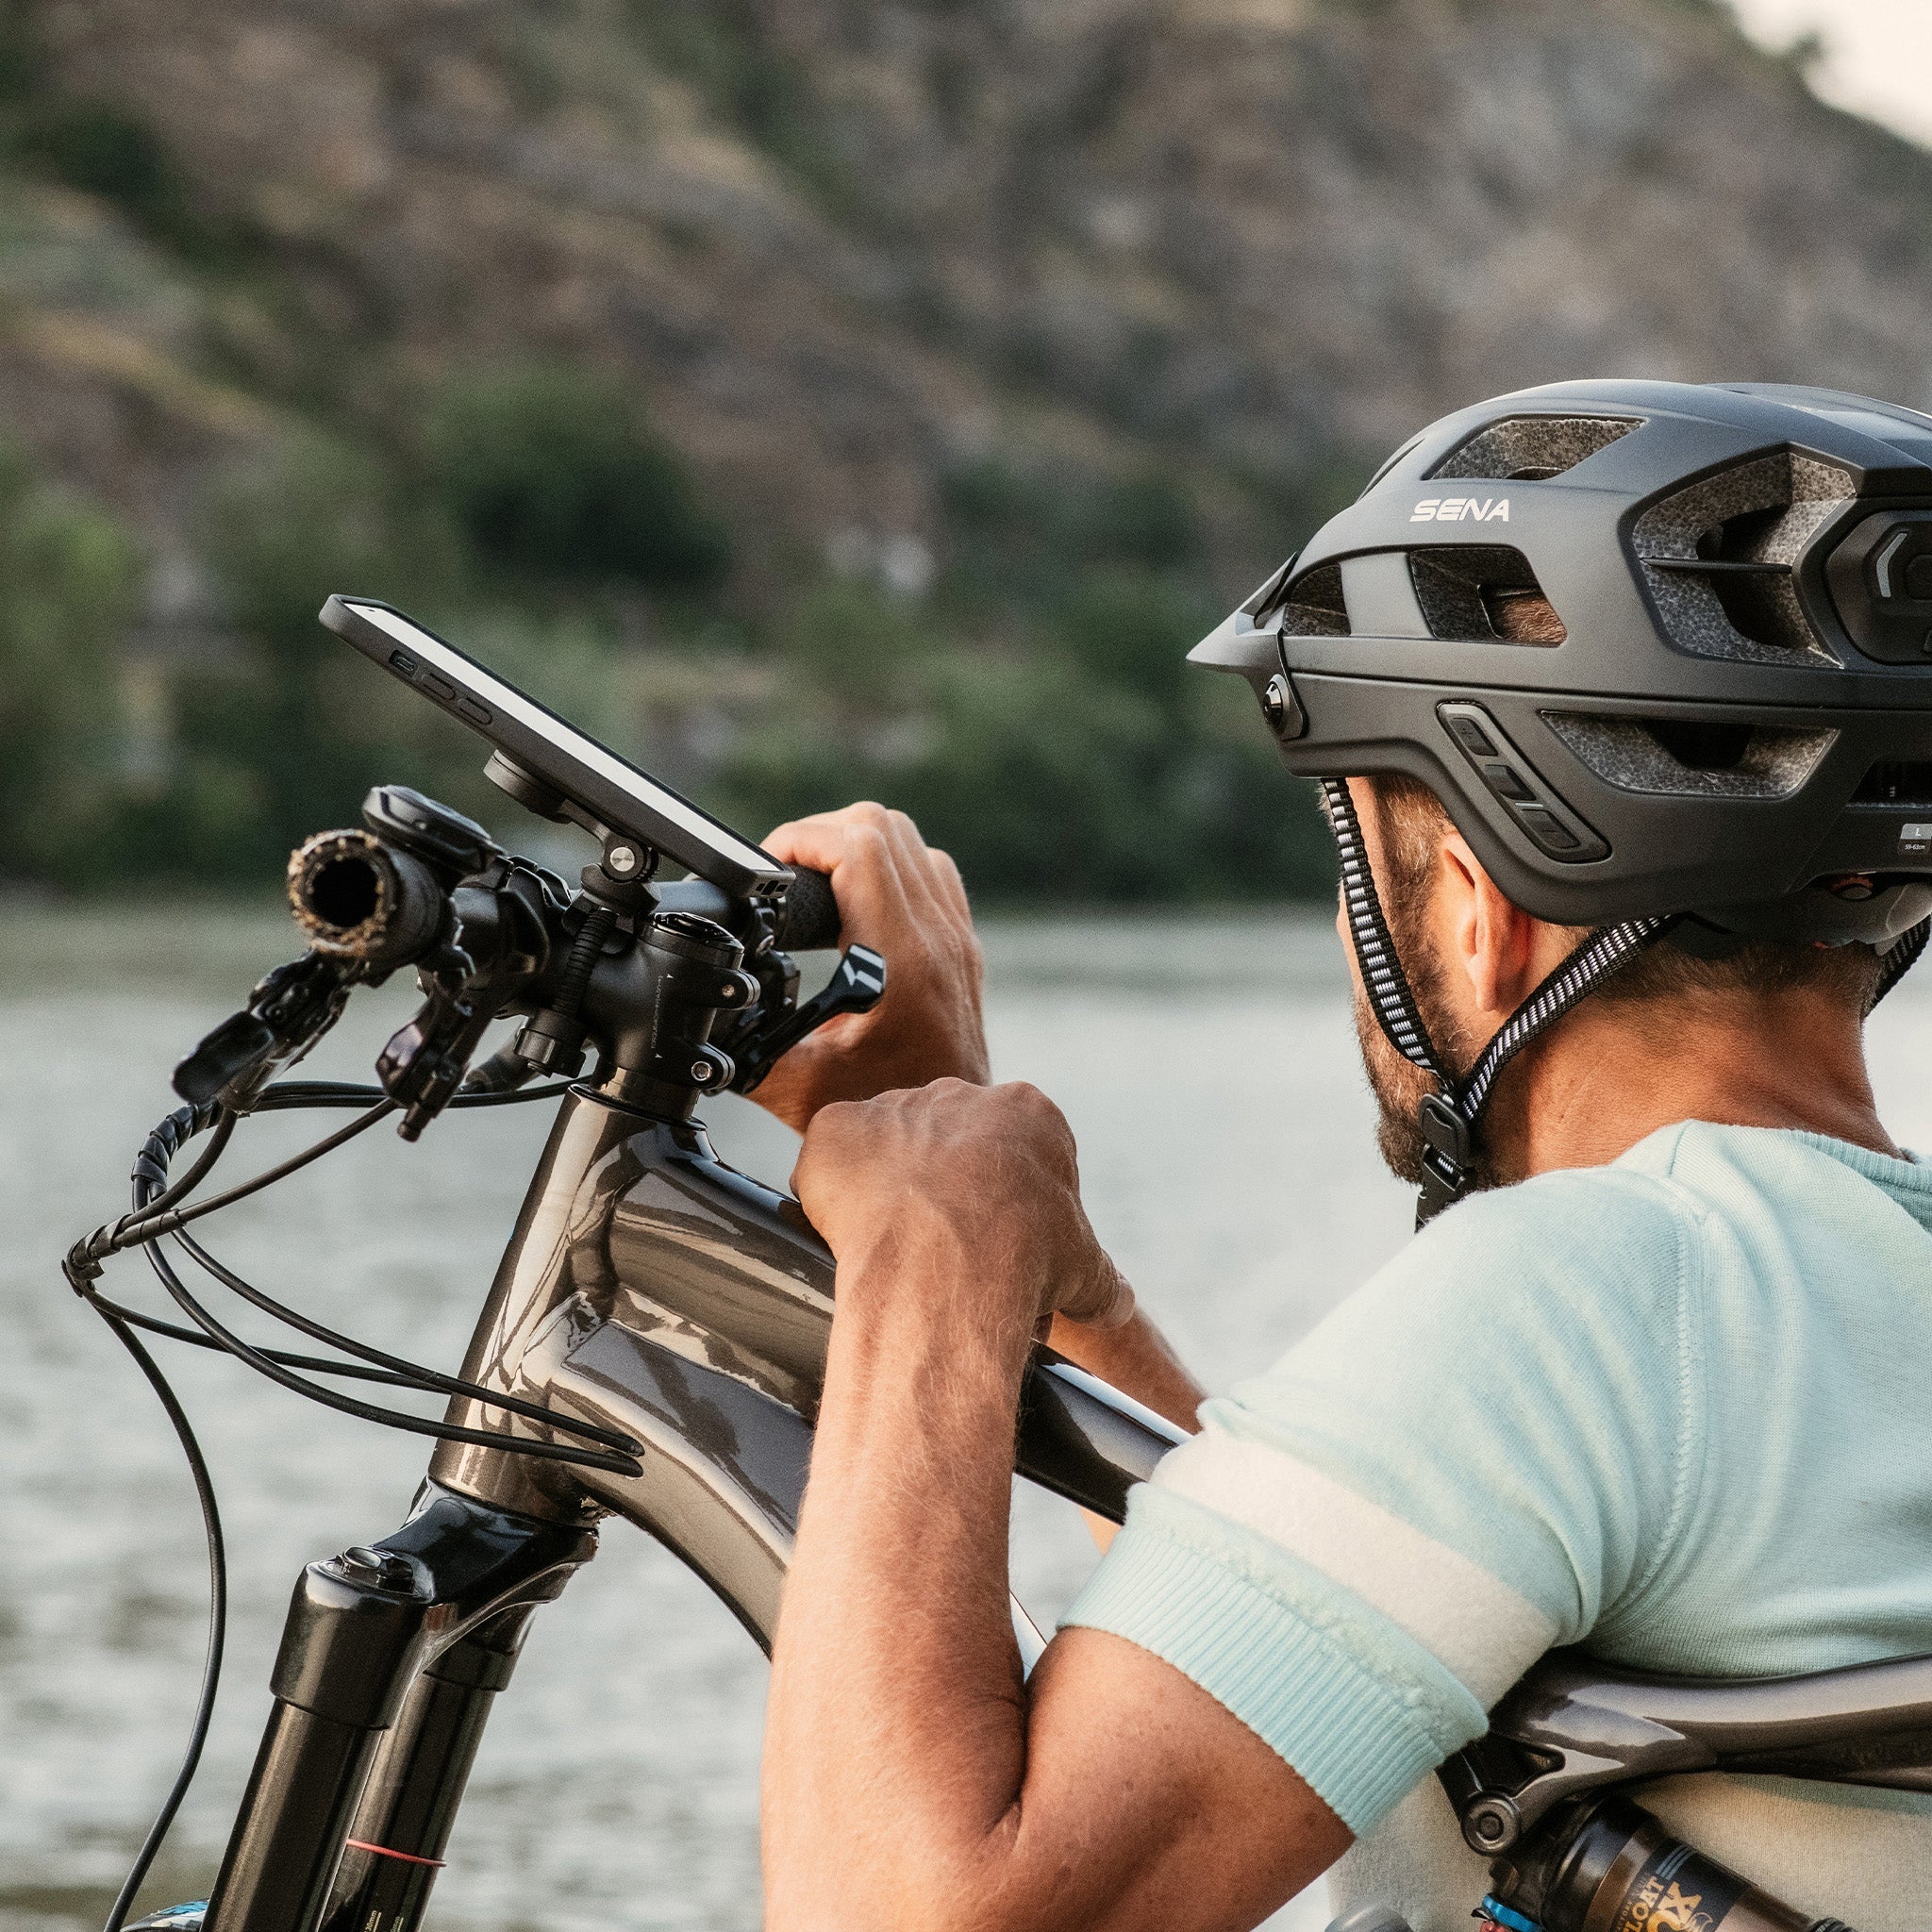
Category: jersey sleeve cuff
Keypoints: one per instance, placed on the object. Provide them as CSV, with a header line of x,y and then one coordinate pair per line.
x,y
1344,1696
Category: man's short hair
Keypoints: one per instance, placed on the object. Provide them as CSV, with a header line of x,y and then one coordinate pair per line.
x,y
1411,821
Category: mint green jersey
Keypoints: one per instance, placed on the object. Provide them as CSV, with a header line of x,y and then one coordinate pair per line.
x,y
1677,1410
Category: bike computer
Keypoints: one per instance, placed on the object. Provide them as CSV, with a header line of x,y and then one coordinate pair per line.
x,y
602,791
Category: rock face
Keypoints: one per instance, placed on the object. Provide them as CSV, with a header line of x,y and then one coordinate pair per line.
x,y
845,244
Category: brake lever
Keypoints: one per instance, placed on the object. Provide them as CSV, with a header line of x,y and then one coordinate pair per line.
x,y
290,1010
426,1059
856,986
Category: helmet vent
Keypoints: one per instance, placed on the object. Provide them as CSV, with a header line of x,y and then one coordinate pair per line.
x,y
1693,757
1483,593
1896,781
1531,449
1314,606
1719,559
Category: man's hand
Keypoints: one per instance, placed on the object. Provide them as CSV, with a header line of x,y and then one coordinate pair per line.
x,y
906,901
973,1189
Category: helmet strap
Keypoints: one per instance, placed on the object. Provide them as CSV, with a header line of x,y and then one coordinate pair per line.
x,y
1449,1118
1896,959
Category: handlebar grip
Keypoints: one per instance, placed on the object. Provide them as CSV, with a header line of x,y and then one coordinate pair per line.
x,y
809,918
359,897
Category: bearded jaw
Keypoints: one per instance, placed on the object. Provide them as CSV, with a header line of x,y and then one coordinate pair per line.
x,y
1400,1086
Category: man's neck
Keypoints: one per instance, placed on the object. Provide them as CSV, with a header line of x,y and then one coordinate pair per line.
x,y
1609,1074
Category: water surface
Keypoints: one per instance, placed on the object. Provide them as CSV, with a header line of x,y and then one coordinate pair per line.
x,y
1209,1070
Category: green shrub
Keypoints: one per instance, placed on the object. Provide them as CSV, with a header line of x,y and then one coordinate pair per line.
x,y
549,470
287,741
1026,535
1088,762
1128,628
848,644
68,577
726,50
102,151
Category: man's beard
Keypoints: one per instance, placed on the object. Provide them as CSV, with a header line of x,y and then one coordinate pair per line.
x,y
1398,1084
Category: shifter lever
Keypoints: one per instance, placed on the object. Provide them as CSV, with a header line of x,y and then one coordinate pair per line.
x,y
857,985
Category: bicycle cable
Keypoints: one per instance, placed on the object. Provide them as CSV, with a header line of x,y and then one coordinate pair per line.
x,y
160,1212
216,1622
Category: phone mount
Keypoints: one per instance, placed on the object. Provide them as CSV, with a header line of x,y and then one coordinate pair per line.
x,y
555,770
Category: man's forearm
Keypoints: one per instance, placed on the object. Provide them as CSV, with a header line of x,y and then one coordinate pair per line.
x,y
895,1740
1137,1360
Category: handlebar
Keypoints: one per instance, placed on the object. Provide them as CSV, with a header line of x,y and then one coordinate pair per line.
x,y
808,921
676,990
359,897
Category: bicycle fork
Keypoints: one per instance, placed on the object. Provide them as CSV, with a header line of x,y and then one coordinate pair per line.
x,y
390,1661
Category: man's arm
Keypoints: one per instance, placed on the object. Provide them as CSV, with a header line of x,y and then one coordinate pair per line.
x,y
912,1778
905,899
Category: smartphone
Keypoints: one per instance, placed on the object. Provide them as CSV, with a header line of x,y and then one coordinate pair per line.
x,y
607,789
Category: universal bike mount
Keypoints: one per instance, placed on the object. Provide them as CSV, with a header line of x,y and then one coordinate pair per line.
x,y
653,1345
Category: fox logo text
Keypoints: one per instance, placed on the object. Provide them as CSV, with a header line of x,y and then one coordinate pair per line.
x,y
1461,509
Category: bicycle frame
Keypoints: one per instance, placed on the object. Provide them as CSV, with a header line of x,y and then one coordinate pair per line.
x,y
649,1287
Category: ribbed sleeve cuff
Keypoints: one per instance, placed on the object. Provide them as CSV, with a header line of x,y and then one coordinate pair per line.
x,y
1349,1699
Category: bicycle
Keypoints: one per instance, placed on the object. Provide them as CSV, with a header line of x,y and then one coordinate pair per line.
x,y
653,1346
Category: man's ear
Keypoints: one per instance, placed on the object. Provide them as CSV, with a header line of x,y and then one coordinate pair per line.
x,y
1489,944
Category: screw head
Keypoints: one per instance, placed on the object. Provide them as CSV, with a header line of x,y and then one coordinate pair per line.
x,y
384,1568
1491,1823
1281,709
622,859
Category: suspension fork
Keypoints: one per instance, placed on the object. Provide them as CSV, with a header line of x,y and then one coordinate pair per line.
x,y
396,1839
390,1658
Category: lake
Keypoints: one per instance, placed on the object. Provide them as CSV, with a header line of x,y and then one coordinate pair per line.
x,y
1208,1069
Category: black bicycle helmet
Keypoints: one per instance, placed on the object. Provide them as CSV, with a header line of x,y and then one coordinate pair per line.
x,y
1727,731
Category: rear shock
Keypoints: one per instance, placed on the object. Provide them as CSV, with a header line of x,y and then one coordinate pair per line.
x,y
1607,1865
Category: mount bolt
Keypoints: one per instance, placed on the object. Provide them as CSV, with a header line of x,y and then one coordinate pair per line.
x,y
1282,709
383,1568
1491,1823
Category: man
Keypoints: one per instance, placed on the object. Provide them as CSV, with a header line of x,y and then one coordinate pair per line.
x,y
1624,781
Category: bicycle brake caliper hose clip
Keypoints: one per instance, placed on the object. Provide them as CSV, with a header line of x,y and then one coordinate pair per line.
x,y
1493,1915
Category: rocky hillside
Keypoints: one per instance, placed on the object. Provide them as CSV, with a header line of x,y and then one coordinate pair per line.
x,y
910,289
847,244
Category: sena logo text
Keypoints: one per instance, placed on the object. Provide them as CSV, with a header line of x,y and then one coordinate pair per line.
x,y
1461,509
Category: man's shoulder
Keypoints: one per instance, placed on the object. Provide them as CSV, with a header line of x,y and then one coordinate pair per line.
x,y
1636,1192
1548,1293
1512,1387
1575,1230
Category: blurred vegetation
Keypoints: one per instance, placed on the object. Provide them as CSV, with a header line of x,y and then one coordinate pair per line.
x,y
1037,714
68,578
1029,703
1017,681
1019,688
551,472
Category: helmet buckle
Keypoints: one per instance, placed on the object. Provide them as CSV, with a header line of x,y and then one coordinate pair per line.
x,y
1445,1158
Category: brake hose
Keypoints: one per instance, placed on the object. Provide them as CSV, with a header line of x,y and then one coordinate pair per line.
x,y
160,1212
